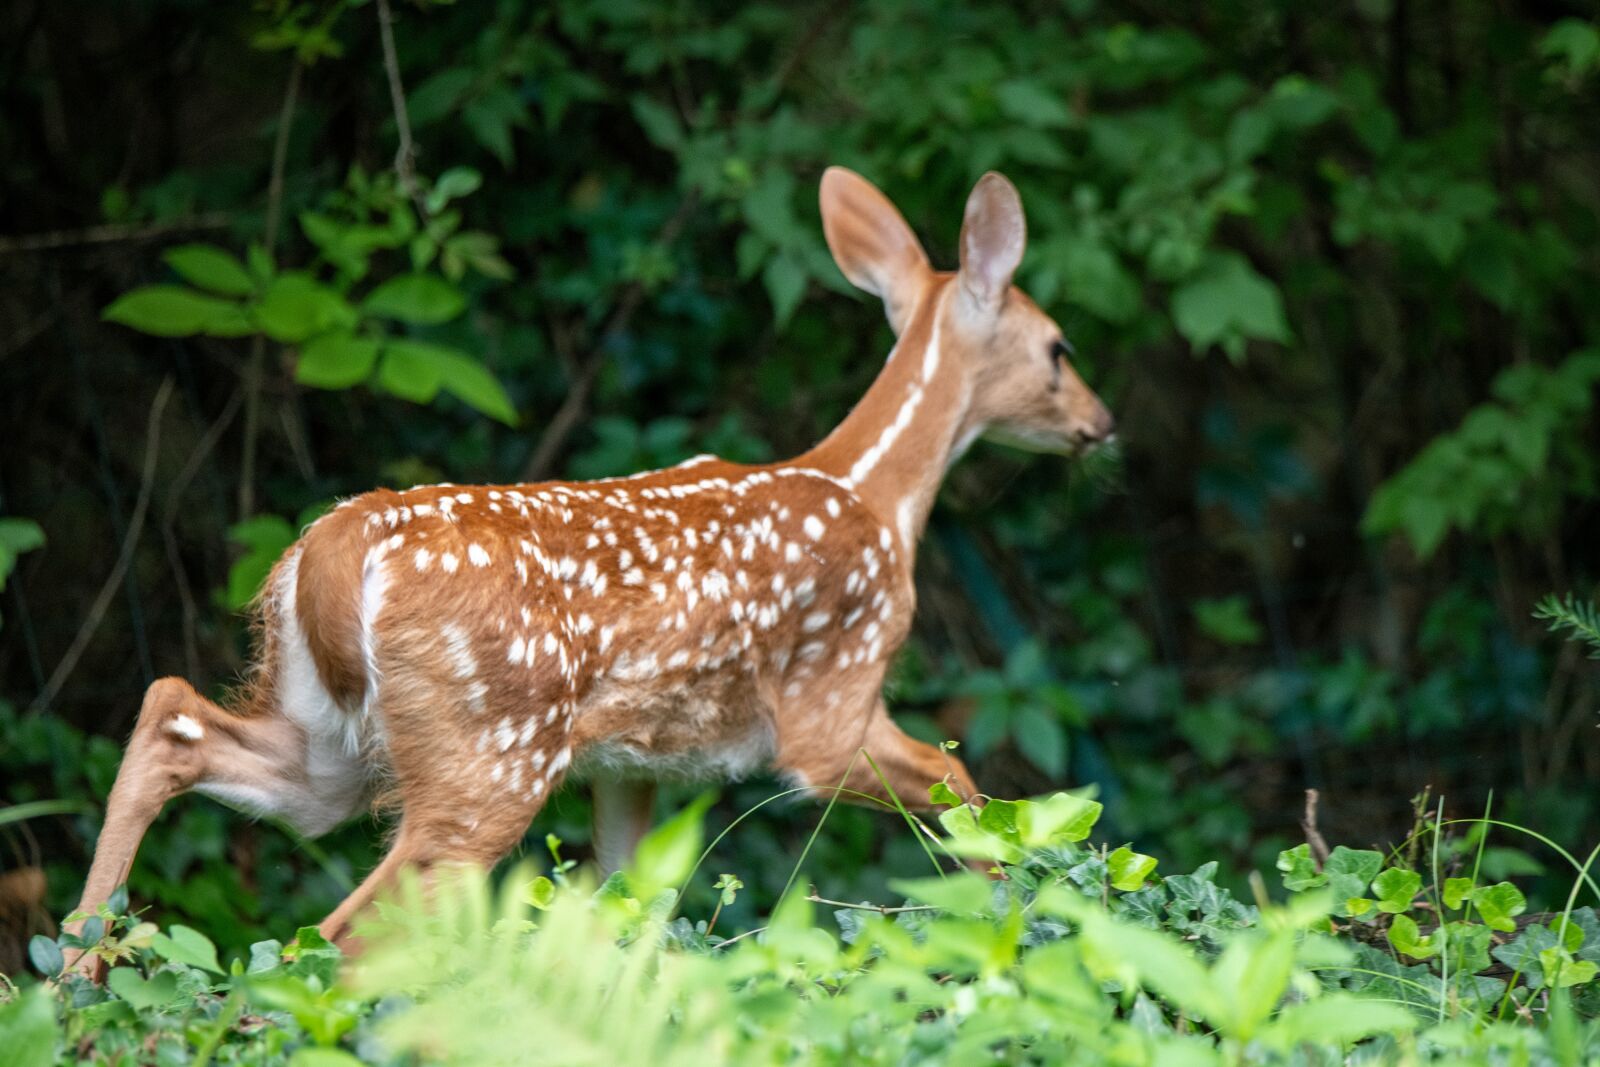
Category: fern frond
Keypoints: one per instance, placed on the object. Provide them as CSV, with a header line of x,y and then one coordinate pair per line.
x,y
1578,619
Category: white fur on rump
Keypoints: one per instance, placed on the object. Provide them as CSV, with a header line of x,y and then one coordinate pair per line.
x,y
337,765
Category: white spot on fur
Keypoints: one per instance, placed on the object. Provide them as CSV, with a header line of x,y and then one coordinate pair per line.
x,y
186,728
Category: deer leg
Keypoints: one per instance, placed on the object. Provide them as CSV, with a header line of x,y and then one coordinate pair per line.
x,y
181,742
621,818
466,795
908,767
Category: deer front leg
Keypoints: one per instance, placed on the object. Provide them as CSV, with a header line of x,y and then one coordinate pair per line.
x,y
906,767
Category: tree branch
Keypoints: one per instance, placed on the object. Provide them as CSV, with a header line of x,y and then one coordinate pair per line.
x,y
258,345
405,156
542,462
130,541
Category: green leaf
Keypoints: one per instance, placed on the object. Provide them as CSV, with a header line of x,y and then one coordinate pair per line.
x,y
1129,869
1405,936
336,361
1227,620
1300,870
424,299
1029,102
143,994
1396,889
1351,870
452,185
967,893
323,1057
45,955
1456,891
540,892
1041,738
1562,971
1334,1020
417,370
1228,303
658,121
296,307
1057,819
265,538
785,279
28,1029
1499,904
941,793
666,854
188,946
210,268
169,311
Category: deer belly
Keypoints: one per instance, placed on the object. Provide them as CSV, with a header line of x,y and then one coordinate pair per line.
x,y
683,734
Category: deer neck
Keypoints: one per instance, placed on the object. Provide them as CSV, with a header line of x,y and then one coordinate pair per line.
x,y
894,447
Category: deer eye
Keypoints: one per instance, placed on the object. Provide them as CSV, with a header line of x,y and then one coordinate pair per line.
x,y
1061,348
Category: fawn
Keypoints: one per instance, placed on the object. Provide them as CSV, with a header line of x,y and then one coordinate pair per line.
x,y
459,650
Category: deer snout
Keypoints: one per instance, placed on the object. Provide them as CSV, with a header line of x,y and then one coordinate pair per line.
x,y
1097,428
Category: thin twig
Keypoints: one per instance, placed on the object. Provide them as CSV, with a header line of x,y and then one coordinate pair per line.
x,y
881,909
1308,824
258,344
541,463
109,233
405,156
169,511
130,541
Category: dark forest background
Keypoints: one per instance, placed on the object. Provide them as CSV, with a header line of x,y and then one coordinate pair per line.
x,y
1335,268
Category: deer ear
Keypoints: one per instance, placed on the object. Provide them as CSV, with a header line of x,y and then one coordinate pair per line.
x,y
993,235
872,244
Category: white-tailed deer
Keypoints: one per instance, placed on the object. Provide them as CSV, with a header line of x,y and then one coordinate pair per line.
x,y
461,649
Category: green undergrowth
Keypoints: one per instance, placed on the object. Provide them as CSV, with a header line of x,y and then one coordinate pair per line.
x,y
1081,953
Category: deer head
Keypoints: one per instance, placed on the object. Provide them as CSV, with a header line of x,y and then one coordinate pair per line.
x,y
1021,389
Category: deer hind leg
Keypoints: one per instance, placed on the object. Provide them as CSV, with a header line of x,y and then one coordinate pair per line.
x,y
621,819
470,772
183,742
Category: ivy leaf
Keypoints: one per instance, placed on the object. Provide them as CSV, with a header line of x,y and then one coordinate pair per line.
x,y
1351,870
1561,970
941,793
1396,889
169,311
1405,936
1129,869
424,299
1499,904
336,361
1456,891
1300,870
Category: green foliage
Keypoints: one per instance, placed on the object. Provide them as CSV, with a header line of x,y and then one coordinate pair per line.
x,y
16,537
1078,954
339,340
1579,619
1510,465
